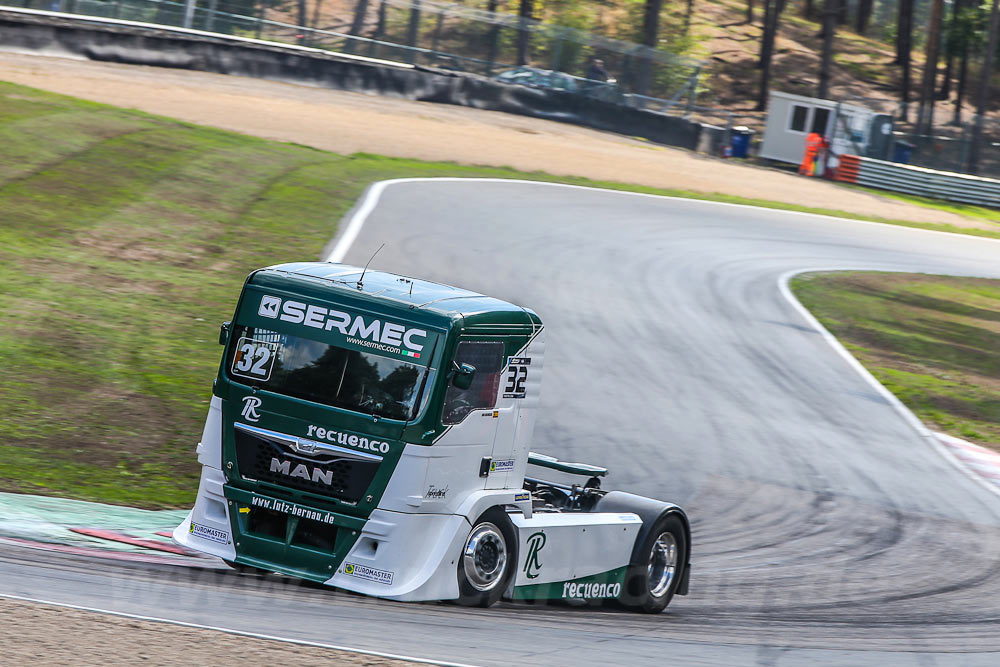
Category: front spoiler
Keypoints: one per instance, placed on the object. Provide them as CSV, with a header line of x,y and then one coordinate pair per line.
x,y
206,527
377,556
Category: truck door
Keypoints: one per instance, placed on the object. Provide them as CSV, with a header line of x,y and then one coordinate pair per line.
x,y
470,412
488,412
509,453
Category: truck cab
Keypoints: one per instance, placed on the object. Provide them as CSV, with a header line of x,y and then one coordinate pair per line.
x,y
371,431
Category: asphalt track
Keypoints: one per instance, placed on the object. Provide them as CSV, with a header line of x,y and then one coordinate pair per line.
x,y
827,528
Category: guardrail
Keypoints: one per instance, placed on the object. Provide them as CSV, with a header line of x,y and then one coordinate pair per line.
x,y
919,181
140,43
458,38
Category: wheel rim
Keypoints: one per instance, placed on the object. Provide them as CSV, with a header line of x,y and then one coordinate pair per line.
x,y
485,557
662,564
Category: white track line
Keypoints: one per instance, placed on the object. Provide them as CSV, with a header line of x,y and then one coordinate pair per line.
x,y
240,633
371,197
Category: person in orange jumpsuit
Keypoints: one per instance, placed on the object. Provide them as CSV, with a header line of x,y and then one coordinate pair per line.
x,y
814,144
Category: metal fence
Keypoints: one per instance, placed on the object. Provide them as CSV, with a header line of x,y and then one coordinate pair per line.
x,y
919,181
948,148
454,37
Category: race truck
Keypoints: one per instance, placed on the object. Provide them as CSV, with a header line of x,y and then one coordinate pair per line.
x,y
371,431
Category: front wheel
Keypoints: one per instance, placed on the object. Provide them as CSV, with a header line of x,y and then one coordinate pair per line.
x,y
659,564
487,561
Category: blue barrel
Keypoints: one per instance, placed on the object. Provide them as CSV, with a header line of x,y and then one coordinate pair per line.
x,y
740,141
902,151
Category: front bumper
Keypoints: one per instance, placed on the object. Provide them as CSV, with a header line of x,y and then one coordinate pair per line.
x,y
392,555
206,527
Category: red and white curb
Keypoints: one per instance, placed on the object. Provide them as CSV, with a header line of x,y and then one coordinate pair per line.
x,y
981,461
148,557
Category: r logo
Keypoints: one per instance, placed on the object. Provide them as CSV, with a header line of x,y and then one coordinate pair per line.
x,y
250,405
269,306
531,563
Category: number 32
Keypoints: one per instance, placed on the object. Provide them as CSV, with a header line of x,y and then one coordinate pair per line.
x,y
516,376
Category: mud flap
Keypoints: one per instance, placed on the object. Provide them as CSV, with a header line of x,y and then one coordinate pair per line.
x,y
682,586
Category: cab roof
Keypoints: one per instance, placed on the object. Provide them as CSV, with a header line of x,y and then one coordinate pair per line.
x,y
421,300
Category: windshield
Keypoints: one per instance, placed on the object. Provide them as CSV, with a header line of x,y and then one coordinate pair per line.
x,y
323,373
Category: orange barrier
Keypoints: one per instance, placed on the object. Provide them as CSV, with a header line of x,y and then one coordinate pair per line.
x,y
850,166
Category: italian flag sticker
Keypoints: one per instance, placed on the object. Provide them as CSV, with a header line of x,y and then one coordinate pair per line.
x,y
415,355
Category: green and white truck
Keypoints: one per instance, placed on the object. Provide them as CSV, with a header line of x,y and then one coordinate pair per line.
x,y
371,431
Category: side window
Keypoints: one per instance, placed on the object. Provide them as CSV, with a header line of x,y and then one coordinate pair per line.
x,y
799,116
820,119
487,357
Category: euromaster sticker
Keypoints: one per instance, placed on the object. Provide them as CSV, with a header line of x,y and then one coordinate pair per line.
x,y
501,465
209,533
369,573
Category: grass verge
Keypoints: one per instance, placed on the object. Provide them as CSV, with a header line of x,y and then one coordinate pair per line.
x,y
934,341
965,210
124,240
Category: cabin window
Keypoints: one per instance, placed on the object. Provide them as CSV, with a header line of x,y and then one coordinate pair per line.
x,y
487,357
820,119
800,115
316,371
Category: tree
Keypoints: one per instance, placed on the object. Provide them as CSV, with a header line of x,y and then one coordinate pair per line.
x,y
767,37
949,51
379,32
968,35
357,25
303,21
984,90
768,4
904,34
925,112
413,29
772,12
650,38
492,37
525,13
749,11
904,48
383,10
314,23
864,14
830,11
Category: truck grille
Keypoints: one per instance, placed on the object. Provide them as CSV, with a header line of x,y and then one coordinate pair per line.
x,y
327,471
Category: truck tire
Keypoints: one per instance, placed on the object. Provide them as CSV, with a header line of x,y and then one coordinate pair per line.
x,y
657,566
488,559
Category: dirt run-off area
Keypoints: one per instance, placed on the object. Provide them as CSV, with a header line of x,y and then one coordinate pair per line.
x,y
38,634
350,122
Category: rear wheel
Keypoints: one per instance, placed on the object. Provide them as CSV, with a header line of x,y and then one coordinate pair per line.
x,y
487,561
659,564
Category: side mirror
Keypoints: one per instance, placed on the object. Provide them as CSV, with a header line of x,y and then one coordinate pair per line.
x,y
224,332
462,374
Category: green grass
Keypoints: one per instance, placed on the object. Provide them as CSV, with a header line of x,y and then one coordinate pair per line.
x,y
934,341
124,241
965,210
